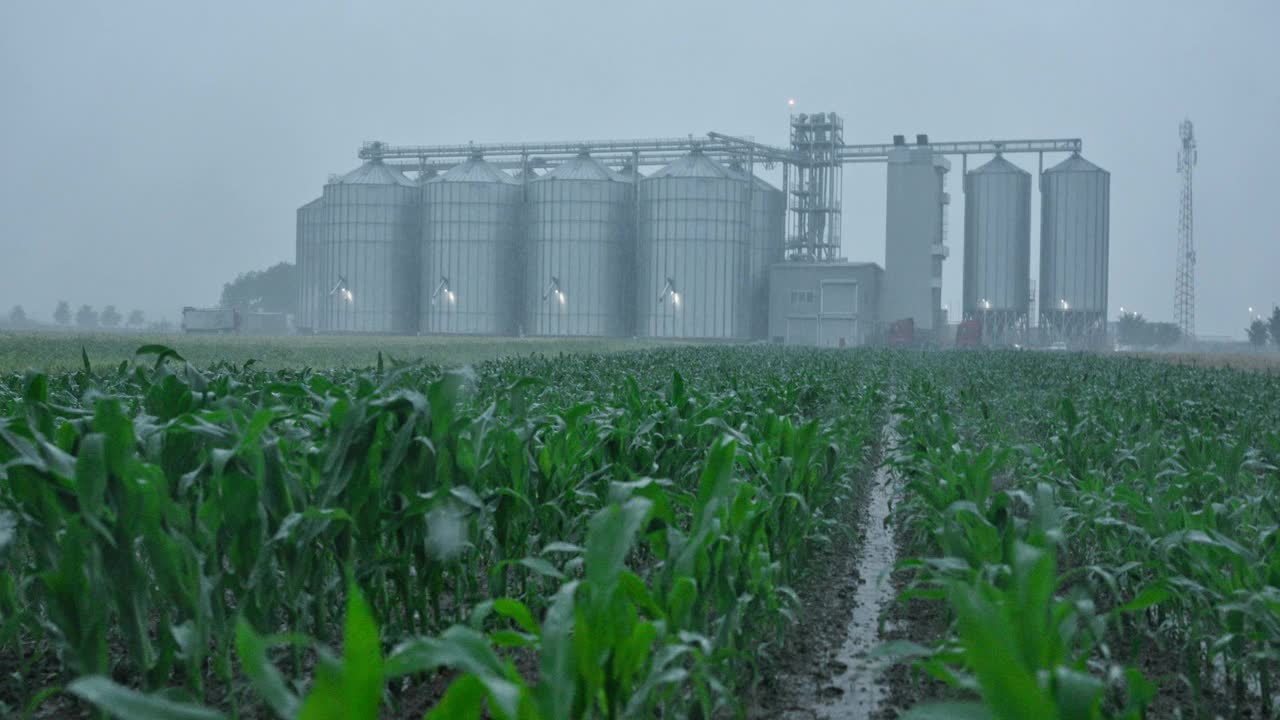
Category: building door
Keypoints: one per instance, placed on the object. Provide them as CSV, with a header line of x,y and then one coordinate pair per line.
x,y
838,313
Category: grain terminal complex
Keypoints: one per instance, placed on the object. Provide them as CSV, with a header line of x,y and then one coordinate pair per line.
x,y
682,238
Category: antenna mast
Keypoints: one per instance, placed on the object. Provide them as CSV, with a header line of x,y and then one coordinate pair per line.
x,y
1184,301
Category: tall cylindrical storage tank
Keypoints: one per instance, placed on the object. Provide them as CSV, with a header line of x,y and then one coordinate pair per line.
x,y
579,251
527,175
768,228
1075,228
310,245
470,239
368,256
631,173
997,247
692,252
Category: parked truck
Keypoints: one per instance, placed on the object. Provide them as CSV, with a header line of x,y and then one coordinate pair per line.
x,y
969,334
210,321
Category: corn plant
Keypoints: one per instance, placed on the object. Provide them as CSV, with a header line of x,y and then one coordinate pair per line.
x,y
1162,484
569,536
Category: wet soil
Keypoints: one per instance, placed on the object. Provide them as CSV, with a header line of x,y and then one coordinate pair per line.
x,y
921,622
823,670
1176,699
924,622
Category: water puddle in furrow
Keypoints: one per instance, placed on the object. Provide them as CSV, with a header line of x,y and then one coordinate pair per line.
x,y
861,680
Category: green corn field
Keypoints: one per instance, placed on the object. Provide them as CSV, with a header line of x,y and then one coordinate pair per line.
x,y
1104,533
624,535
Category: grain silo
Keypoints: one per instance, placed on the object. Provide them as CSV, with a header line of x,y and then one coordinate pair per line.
x,y
631,172
692,251
368,252
768,228
915,235
312,290
579,251
1075,229
997,248
527,176
470,279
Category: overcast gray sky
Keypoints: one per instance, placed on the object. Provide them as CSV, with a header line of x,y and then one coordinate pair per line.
x,y
153,150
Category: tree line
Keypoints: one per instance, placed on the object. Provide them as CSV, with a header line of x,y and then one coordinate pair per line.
x,y
1261,330
87,317
272,290
1137,331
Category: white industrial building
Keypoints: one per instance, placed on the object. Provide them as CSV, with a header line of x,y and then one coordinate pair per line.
x,y
701,247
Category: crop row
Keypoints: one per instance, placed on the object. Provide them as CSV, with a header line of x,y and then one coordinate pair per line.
x,y
585,536
1105,535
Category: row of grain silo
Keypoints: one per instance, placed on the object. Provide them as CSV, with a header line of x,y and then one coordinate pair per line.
x,y
581,250
357,238
1074,247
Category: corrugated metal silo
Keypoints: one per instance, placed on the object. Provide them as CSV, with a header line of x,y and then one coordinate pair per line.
x,y
631,172
579,251
693,247
997,247
309,252
1075,229
527,176
768,228
470,239
369,252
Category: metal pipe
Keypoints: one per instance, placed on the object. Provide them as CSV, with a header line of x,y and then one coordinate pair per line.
x,y
541,163
660,151
981,147
378,150
764,151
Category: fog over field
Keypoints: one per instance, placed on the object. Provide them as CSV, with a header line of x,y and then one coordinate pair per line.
x,y
609,438
153,150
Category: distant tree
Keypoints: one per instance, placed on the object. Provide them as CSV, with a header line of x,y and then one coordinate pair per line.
x,y
1132,329
136,319
87,317
17,316
1257,332
1165,334
160,326
272,290
1273,325
1135,330
111,317
62,315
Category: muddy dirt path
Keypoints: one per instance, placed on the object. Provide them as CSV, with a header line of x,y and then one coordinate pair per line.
x,y
825,671
862,688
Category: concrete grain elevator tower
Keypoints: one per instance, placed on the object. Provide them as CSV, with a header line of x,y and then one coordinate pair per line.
x,y
915,235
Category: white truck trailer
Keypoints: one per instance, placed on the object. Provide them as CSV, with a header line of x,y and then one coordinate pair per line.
x,y
210,321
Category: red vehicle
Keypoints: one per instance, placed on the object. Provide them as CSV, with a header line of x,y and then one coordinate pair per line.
x,y
969,334
902,333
